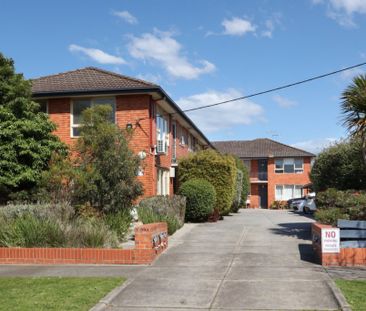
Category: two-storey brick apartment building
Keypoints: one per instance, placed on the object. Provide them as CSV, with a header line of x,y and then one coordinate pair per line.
x,y
278,172
161,131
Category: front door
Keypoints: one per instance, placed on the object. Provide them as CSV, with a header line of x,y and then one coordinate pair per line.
x,y
263,196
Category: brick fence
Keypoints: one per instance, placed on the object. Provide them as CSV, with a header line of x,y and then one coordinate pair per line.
x,y
346,256
150,241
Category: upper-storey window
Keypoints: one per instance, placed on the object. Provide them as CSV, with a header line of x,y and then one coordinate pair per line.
x,y
79,105
162,133
289,165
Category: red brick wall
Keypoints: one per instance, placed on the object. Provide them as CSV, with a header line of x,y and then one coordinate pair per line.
x,y
59,113
346,256
145,251
254,196
286,179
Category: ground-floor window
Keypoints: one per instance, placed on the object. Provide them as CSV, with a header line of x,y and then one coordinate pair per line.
x,y
163,182
286,192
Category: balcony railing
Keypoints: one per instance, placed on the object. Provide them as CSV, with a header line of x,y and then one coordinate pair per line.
x,y
259,176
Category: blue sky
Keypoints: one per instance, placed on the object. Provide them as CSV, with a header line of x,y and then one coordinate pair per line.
x,y
206,51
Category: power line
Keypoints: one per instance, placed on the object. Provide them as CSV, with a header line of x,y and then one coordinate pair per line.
x,y
276,88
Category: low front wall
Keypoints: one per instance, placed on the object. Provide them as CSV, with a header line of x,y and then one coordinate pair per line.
x,y
346,256
150,241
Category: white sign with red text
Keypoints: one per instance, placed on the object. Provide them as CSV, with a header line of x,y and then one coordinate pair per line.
x,y
330,240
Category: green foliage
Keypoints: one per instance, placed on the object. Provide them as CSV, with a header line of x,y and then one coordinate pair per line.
x,y
119,222
201,198
53,226
171,206
330,216
26,139
279,205
149,216
219,170
238,190
245,180
339,166
354,110
106,166
334,204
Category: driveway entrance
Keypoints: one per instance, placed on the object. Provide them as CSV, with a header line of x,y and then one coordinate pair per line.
x,y
254,260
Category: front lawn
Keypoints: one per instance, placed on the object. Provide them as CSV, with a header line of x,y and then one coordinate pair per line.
x,y
54,293
355,292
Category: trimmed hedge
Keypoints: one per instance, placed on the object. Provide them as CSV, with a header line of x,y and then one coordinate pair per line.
x,y
201,198
245,180
219,170
169,209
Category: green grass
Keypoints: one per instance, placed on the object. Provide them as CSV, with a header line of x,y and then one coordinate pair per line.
x,y
53,293
355,293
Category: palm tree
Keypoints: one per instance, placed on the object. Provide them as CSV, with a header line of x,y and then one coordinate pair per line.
x,y
354,110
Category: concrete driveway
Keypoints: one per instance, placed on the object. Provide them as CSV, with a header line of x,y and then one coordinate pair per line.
x,y
254,260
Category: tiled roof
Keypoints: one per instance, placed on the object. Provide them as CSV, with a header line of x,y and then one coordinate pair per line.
x,y
86,79
259,148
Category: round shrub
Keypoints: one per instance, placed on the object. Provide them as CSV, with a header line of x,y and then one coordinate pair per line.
x,y
201,199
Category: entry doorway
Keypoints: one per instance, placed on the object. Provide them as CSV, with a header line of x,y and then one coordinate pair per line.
x,y
263,196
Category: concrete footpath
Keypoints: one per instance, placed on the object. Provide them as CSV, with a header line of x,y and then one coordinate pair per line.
x,y
254,260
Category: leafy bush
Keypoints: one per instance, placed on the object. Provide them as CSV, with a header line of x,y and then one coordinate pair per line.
x,y
52,226
335,204
147,215
26,138
171,206
201,198
219,170
340,166
330,216
120,223
279,205
238,191
106,167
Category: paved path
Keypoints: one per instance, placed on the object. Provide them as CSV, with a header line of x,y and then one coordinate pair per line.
x,y
254,260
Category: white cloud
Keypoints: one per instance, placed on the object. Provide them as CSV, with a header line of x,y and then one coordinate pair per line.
x,y
98,55
237,26
343,11
162,48
284,102
270,25
126,16
218,118
154,78
315,145
351,73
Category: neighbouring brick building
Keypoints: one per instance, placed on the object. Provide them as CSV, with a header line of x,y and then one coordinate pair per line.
x,y
161,131
278,172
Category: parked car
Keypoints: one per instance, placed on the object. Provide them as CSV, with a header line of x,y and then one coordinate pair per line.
x,y
309,206
297,204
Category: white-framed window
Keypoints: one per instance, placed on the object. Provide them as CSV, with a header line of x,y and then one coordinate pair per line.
x,y
289,165
287,192
162,133
163,181
190,142
79,105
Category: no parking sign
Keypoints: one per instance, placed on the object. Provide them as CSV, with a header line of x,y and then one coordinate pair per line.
x,y
330,240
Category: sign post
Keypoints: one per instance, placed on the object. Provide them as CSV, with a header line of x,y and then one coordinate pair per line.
x,y
330,240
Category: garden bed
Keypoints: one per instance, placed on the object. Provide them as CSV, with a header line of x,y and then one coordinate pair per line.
x,y
150,241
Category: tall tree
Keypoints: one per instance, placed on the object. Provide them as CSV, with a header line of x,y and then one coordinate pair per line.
x,y
354,110
26,139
